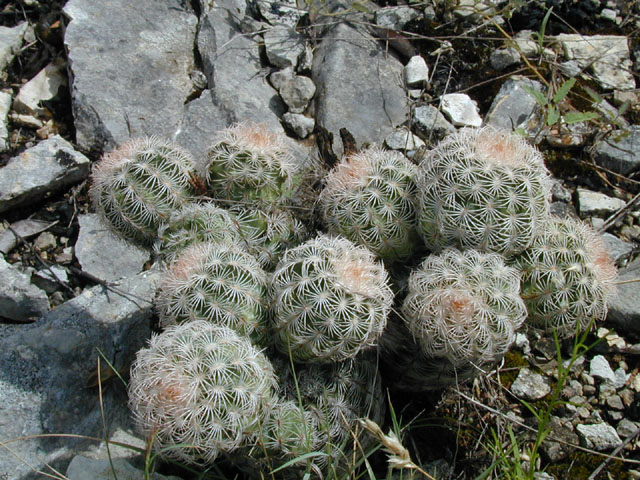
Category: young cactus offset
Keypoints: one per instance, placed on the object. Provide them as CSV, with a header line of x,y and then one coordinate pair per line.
x,y
368,198
137,186
198,390
217,282
195,223
330,299
464,306
567,277
484,189
250,165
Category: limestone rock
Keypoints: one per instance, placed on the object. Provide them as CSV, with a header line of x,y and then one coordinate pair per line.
x,y
600,436
5,106
513,106
624,307
351,68
592,203
620,151
461,110
10,42
44,86
283,46
430,123
20,300
49,166
529,385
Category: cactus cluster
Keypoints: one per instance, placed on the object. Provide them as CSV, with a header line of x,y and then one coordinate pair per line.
x,y
249,300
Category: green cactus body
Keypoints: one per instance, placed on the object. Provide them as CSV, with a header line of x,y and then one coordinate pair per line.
x,y
464,306
330,299
137,186
195,223
250,165
483,189
267,234
567,277
198,390
216,282
368,198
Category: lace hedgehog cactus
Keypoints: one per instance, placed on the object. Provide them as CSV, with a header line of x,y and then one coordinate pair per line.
x,y
482,188
464,306
368,198
198,390
251,165
217,282
567,277
137,186
330,299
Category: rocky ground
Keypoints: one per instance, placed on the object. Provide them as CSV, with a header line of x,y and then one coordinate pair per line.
x,y
80,77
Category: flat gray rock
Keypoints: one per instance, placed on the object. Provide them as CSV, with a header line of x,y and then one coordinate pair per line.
x,y
283,46
624,307
461,110
513,105
529,385
48,372
430,124
359,86
130,64
620,151
10,42
600,436
20,300
103,254
617,248
599,368
5,106
49,166
231,61
82,468
597,204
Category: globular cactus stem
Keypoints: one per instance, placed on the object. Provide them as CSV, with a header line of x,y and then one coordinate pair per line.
x,y
464,306
330,299
482,188
567,277
250,165
137,186
199,390
369,198
217,282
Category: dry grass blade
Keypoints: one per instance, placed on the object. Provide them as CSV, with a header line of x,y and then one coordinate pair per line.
x,y
398,455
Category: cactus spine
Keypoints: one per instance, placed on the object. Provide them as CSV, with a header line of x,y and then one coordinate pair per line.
x,y
200,389
568,277
137,186
216,282
483,189
368,198
330,300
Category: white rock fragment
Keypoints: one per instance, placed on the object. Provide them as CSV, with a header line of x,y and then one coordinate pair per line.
x,y
592,203
529,385
403,139
283,46
600,368
600,436
607,56
416,72
300,125
44,86
461,110
5,106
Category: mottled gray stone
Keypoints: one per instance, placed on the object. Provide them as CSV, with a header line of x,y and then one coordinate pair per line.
x,y
20,300
283,46
416,71
25,229
5,106
620,151
82,468
10,42
300,125
231,60
105,255
607,56
624,307
513,105
49,279
297,93
599,368
395,18
430,123
617,248
461,110
280,12
48,372
49,166
504,57
359,86
592,203
130,64
600,436
529,385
